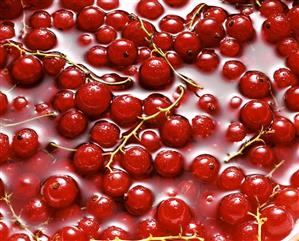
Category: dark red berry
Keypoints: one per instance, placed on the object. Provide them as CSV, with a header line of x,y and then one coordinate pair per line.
x,y
100,206
293,17
231,178
205,168
90,226
291,98
113,232
150,140
71,78
233,69
116,183
150,9
10,9
207,60
209,103
148,227
169,163
202,126
217,13
163,40
3,103
63,19
272,7
172,24
240,27
69,233
293,62
105,35
287,46
236,132
40,19
105,133
229,47
40,39
176,3
108,4
117,19
53,66
25,143
262,155
64,100
283,78
90,19
4,148
35,211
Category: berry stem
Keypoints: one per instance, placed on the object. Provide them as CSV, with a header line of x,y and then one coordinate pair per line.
x,y
258,3
150,36
195,15
62,147
276,167
260,222
257,138
143,119
90,75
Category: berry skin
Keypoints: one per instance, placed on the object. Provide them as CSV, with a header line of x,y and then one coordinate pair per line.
x,y
40,19
150,9
155,73
10,9
90,19
207,60
69,234
3,103
108,4
202,126
148,227
240,27
26,186
217,13
283,78
3,56
255,85
235,132
40,39
88,159
93,98
25,143
71,78
187,45
53,66
293,16
105,35
173,214
283,131
116,183
35,211
272,7
125,110
172,24
97,56
27,70
19,237
233,69
139,200
205,168
101,207
246,231
113,232
231,178
256,114
60,191
257,188
295,179
279,221
105,133
287,46
4,231
176,3
63,19
122,52
72,124
137,161
150,140
209,103
293,62
4,149
262,155
90,226
64,100
291,98
169,163
234,208
175,131
163,40
230,47
288,198
117,19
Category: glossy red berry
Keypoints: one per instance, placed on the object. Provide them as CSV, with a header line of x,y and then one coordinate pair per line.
x,y
19,237
122,52
283,78
175,131
231,178
169,163
163,40
217,13
53,66
293,17
172,24
283,131
234,208
27,70
10,9
202,126
105,133
256,114
296,123
246,231
72,124
272,7
209,103
37,4
60,191
176,3
287,46
93,98
116,183
4,231
4,148
240,27
64,100
105,35
90,226
155,73
205,168
90,19
295,179
207,60
172,214
71,78
26,186
108,4
292,62
148,227
125,109
69,233
291,98
150,9
235,132
25,143
35,211
113,232
150,140
100,206
139,200
288,198
40,39
229,47
262,155
63,19
117,19
233,69
40,19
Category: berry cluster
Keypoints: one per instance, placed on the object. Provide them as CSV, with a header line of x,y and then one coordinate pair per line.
x,y
108,138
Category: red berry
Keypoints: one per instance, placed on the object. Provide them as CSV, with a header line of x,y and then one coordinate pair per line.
x,y
3,103
287,46
234,208
148,227
176,3
105,35
27,70
63,19
60,191
117,19
210,31
288,198
172,24
4,231
53,66
25,143
207,60
205,168
246,231
116,183
291,98
40,39
90,227
64,100
90,19
125,109
4,149
295,179
26,186
272,7
155,73
85,39
163,40
283,131
262,155
122,52
229,47
258,188
19,103
72,124
173,214
113,232
233,69
40,19
108,4
139,200
105,133
174,59
71,78
150,140
256,114
293,62
3,56
10,9
69,234
37,4
209,103
150,9
175,131
100,206
284,78
143,54
235,132
19,237
240,27
35,211
279,221
296,123
231,178
293,16
169,163
217,13
202,126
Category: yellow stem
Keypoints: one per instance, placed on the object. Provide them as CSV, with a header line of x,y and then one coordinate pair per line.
x,y
195,15
143,119
258,3
260,222
276,167
62,147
